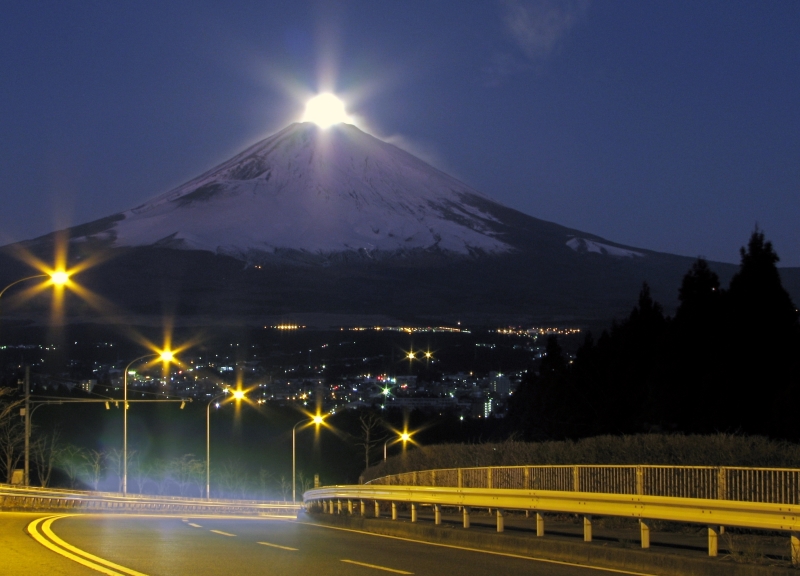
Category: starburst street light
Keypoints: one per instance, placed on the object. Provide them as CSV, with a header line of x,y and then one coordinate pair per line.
x,y
404,437
317,420
56,278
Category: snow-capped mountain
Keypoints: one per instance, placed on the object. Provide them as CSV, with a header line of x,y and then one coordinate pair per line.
x,y
315,191
312,221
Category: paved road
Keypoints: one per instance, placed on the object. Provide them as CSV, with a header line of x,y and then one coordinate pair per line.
x,y
211,546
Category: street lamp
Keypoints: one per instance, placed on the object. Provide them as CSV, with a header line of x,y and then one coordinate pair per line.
x,y
236,395
164,356
401,437
57,278
316,420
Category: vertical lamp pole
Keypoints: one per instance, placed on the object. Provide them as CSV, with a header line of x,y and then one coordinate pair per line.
x,y
58,278
237,395
125,421
166,356
27,425
316,420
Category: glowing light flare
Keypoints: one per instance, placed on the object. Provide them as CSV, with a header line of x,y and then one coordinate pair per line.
x,y
59,277
325,110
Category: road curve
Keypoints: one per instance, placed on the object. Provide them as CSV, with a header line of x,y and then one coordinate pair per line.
x,y
131,545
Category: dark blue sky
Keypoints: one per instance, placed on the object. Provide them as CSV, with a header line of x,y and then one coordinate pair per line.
x,y
673,125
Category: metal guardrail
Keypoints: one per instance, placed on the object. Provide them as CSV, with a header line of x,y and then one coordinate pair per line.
x,y
18,498
767,485
758,498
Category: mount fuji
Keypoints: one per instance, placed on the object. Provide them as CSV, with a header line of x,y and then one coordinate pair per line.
x,y
338,222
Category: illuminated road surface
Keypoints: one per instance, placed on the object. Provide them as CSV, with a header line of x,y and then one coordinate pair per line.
x,y
167,546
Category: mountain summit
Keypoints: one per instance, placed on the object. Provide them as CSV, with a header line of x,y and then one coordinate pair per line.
x,y
318,192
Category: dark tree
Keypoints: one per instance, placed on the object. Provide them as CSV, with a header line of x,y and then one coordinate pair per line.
x,y
761,379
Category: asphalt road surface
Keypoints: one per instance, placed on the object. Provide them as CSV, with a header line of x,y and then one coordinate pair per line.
x,y
54,545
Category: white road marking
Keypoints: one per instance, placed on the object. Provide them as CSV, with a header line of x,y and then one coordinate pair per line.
x,y
376,567
278,546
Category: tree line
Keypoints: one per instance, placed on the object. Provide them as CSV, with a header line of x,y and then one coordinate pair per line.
x,y
727,361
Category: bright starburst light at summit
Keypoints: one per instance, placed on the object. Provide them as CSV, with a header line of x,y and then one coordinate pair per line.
x,y
325,110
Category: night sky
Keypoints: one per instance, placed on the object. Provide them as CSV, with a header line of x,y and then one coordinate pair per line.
x,y
671,125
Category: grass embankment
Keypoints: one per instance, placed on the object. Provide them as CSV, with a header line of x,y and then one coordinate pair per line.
x,y
665,449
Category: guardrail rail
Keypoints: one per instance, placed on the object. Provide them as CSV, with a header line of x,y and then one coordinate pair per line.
x,y
30,498
758,498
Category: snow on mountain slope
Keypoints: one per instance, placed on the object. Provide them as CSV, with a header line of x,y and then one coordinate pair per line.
x,y
316,191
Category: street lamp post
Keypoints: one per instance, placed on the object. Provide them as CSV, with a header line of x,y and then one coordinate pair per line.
x,y
315,420
166,356
401,437
237,395
58,278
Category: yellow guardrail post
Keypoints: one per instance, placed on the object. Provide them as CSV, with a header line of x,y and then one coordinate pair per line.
x,y
539,524
338,506
363,508
413,512
713,540
500,520
394,510
587,528
795,544
437,514
644,528
350,507
466,512
377,509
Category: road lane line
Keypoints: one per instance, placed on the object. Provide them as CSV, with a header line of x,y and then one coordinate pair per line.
x,y
278,546
33,530
194,525
223,533
376,567
59,542
506,554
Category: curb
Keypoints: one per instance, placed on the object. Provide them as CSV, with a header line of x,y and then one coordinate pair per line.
x,y
587,554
